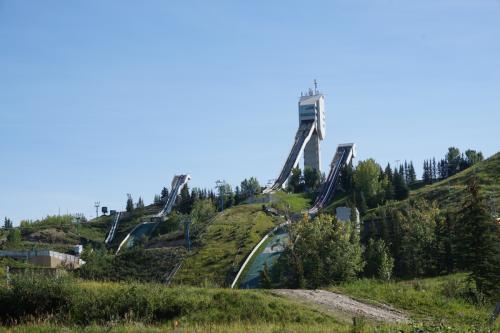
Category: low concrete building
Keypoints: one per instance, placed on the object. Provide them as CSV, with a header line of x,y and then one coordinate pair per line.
x,y
45,258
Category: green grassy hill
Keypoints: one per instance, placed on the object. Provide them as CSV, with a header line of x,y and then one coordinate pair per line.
x,y
450,192
223,247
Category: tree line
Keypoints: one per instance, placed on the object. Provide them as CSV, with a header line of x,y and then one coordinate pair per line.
x,y
452,163
425,240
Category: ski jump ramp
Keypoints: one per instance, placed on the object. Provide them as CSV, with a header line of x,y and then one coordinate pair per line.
x,y
344,155
145,228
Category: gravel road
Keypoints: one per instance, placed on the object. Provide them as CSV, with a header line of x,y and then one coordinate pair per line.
x,y
341,303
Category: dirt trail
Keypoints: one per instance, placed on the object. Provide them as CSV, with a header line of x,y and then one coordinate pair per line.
x,y
344,304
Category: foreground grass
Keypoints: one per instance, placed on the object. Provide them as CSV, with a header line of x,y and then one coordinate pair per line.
x,y
41,304
236,327
224,246
437,302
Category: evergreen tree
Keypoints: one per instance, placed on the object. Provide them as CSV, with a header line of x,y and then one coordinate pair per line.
x,y
130,203
294,181
185,204
401,190
477,236
443,169
237,196
140,203
311,179
444,244
388,172
412,175
434,172
426,176
405,173
164,193
156,199
7,223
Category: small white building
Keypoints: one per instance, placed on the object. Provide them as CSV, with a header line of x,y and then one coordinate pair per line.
x,y
344,214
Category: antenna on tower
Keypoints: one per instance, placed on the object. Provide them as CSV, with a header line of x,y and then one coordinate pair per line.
x,y
96,205
315,86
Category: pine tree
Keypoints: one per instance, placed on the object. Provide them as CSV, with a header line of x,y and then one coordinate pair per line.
x,y
405,173
294,181
412,175
7,223
425,174
130,203
401,190
443,169
164,193
237,196
140,203
185,203
477,236
434,170
388,172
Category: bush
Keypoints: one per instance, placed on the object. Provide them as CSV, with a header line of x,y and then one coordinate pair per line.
x,y
35,296
73,302
325,251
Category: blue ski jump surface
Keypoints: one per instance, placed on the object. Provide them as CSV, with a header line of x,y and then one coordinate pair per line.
x,y
274,246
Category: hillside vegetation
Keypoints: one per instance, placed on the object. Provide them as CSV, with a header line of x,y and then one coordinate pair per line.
x,y
439,303
224,245
450,192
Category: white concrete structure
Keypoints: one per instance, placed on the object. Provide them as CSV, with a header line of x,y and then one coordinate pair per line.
x,y
312,109
307,139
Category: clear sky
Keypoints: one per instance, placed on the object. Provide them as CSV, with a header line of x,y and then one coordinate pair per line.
x,y
103,98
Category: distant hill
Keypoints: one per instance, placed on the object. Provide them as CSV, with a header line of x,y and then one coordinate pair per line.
x,y
450,192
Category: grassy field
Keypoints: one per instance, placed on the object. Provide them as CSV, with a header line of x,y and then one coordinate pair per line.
x,y
436,302
69,305
297,202
229,238
236,327
70,302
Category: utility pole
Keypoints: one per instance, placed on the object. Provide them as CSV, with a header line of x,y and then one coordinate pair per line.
x,y
97,204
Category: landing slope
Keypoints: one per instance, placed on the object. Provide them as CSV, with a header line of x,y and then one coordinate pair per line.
x,y
223,247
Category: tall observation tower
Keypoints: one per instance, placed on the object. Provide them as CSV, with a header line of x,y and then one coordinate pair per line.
x,y
312,110
310,132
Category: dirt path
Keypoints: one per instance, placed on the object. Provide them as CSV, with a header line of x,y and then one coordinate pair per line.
x,y
339,303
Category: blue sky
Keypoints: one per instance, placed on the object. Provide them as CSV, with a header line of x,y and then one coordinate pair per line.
x,y
103,98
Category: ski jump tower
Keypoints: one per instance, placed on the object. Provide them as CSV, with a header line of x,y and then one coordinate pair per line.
x,y
307,140
312,109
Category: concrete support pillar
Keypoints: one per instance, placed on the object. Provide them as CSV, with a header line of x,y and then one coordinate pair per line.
x,y
312,156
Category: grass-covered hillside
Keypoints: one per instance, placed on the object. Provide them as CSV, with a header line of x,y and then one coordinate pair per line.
x,y
224,245
59,233
449,192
